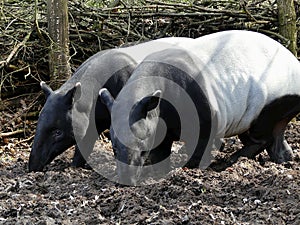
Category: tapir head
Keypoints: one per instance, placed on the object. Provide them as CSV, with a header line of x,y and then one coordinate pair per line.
x,y
132,148
54,133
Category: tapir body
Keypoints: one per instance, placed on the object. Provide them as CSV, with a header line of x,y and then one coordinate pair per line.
x,y
73,114
238,82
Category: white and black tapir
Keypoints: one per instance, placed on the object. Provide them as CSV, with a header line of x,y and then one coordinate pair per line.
x,y
73,114
228,83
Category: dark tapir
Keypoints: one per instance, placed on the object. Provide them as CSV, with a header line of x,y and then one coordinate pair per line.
x,y
224,84
68,116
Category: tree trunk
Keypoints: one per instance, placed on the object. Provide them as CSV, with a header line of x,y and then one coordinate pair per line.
x,y
287,23
58,26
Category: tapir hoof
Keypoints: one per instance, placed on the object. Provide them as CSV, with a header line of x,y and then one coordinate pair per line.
x,y
81,165
284,157
192,164
280,153
78,162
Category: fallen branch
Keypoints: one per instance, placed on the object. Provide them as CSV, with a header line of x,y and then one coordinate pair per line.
x,y
26,139
12,133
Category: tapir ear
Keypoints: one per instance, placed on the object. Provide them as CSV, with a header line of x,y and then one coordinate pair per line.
x,y
73,94
77,92
149,103
154,100
46,89
106,98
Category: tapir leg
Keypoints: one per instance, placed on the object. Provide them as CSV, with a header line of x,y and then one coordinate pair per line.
x,y
200,155
274,142
85,147
276,146
252,147
161,153
267,132
78,159
83,150
280,151
158,160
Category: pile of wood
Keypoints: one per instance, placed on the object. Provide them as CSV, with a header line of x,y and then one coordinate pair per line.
x,y
156,19
25,41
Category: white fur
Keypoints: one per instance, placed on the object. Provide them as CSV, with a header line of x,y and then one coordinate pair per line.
x,y
42,83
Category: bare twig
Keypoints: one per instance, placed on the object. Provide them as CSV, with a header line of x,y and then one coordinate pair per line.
x,y
25,140
36,22
16,48
12,133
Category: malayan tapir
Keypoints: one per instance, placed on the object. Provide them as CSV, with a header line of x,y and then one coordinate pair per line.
x,y
228,83
73,114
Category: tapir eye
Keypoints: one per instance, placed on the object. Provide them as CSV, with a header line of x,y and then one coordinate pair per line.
x,y
56,133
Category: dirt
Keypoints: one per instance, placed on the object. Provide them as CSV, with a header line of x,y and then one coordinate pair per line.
x,y
250,192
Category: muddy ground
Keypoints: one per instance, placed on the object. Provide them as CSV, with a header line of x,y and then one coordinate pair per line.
x,y
250,192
